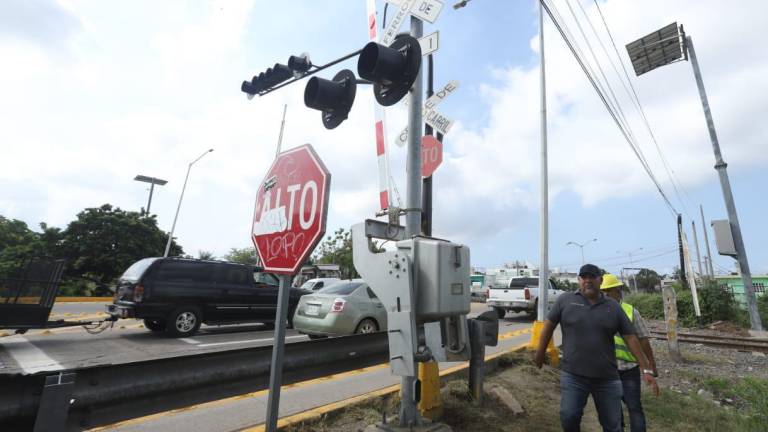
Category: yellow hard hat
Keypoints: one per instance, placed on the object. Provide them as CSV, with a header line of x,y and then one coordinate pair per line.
x,y
610,281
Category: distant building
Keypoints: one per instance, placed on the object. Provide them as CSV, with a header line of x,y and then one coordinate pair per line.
x,y
734,285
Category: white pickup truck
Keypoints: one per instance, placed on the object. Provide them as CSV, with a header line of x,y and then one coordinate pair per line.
x,y
518,294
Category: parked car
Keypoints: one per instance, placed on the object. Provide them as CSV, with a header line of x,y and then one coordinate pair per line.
x,y
518,294
344,308
318,283
176,295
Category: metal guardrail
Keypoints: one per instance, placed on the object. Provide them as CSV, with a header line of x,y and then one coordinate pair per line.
x,y
109,393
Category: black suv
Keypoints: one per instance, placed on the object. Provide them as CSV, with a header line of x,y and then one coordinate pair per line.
x,y
176,295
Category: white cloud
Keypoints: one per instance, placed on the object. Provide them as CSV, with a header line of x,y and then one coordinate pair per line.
x,y
150,100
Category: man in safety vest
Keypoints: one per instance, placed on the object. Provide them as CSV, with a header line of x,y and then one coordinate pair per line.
x,y
629,371
588,320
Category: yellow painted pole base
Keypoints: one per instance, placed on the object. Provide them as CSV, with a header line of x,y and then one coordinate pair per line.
x,y
430,405
554,355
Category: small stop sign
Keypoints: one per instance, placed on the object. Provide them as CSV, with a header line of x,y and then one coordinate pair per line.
x,y
431,155
291,210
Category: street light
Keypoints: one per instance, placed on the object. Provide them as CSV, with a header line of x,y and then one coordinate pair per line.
x,y
173,227
631,263
581,246
152,181
669,45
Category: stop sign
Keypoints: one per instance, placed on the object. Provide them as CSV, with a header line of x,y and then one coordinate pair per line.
x,y
291,209
431,155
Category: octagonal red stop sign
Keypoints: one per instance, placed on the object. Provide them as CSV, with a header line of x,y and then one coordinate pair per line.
x,y
291,209
431,155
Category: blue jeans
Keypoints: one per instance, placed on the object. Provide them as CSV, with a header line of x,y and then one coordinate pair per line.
x,y
630,381
574,391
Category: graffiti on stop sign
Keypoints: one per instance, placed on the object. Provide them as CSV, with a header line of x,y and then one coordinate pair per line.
x,y
290,209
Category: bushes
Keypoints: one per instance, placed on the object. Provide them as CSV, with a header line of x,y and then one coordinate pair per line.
x,y
762,307
716,305
650,306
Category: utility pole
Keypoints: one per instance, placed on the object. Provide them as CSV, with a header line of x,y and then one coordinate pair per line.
x,y
708,258
409,414
696,242
683,279
544,186
725,184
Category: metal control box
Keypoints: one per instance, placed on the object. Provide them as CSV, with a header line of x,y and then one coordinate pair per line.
x,y
724,237
441,269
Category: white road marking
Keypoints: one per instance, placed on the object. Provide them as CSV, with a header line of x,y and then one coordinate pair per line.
x,y
190,341
247,341
30,358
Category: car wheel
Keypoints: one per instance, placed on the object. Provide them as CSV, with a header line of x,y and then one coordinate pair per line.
x,y
500,312
184,321
154,325
535,310
367,326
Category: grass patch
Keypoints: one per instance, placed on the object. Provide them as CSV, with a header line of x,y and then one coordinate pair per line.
x,y
755,392
676,412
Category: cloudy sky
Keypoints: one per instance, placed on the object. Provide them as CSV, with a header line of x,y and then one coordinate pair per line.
x,y
95,92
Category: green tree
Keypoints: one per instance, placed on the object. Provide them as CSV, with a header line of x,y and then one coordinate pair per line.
x,y
205,255
19,244
245,255
103,241
646,280
337,249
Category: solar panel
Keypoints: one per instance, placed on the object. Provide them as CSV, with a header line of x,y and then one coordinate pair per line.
x,y
659,48
148,179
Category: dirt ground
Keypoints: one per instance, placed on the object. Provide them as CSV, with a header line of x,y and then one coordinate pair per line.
x,y
714,389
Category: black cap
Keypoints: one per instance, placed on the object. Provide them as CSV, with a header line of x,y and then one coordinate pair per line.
x,y
589,270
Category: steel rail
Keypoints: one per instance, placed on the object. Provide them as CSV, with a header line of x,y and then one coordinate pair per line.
x,y
738,343
104,394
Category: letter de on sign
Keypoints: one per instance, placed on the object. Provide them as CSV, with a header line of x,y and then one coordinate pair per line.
x,y
427,10
289,217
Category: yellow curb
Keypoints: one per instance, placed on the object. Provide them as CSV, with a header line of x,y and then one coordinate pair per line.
x,y
83,299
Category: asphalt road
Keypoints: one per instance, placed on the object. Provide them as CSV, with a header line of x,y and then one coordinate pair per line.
x,y
245,411
128,341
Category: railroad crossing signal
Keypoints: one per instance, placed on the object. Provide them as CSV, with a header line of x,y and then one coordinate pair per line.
x,y
392,69
334,98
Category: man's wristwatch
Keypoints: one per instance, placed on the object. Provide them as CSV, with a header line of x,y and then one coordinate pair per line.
x,y
648,371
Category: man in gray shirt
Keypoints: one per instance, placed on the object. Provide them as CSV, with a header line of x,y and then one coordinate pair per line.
x,y
588,320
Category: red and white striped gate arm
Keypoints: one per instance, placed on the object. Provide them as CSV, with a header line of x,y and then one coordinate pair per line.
x,y
379,120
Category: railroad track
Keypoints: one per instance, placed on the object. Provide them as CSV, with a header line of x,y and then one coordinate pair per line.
x,y
733,342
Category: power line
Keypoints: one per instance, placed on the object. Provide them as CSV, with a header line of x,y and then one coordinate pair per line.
x,y
608,107
638,105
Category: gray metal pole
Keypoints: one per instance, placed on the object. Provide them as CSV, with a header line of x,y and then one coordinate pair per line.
x,y
409,413
151,189
278,347
725,184
183,188
544,186
176,217
706,242
696,242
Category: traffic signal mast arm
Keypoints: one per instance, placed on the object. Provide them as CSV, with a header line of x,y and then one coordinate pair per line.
x,y
252,87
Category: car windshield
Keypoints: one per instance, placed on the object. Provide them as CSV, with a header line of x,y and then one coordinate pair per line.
x,y
135,271
308,285
341,288
518,283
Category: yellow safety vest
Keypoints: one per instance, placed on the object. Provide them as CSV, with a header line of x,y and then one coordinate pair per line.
x,y
622,351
